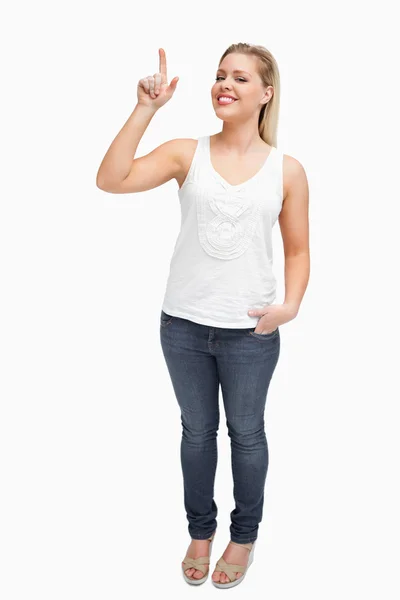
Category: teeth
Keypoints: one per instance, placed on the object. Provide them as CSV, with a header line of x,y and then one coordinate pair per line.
x,y
225,99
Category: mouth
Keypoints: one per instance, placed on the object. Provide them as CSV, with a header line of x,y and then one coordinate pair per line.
x,y
225,99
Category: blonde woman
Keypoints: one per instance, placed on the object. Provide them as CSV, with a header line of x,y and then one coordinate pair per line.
x,y
219,326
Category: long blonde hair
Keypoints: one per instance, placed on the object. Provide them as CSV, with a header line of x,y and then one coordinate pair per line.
x,y
269,73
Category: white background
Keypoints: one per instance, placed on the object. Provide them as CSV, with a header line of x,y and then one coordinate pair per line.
x,y
92,496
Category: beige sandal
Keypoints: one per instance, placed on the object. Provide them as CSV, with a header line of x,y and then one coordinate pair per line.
x,y
199,564
230,569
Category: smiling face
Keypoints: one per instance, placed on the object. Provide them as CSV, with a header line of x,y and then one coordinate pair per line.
x,y
237,77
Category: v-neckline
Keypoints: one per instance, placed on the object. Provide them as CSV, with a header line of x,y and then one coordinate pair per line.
x,y
223,180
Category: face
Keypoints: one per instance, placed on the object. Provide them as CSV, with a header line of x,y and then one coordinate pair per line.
x,y
237,76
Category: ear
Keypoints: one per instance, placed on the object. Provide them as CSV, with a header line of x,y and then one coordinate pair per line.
x,y
268,95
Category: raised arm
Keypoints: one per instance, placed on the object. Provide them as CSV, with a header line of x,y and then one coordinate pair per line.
x,y
119,171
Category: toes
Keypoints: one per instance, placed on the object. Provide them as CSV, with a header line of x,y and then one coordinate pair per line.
x,y
194,573
198,575
220,577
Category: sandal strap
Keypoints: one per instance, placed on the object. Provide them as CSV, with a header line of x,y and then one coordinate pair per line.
x,y
199,564
229,568
248,546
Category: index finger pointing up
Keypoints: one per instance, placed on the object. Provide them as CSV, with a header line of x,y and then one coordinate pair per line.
x,y
163,65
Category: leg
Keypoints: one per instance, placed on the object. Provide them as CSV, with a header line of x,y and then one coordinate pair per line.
x,y
194,377
246,362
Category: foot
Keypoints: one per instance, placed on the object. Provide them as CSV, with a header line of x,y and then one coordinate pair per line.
x,y
235,555
196,549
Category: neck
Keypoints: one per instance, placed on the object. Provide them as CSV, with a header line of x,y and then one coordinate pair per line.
x,y
240,137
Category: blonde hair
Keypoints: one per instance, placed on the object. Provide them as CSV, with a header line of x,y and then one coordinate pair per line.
x,y
269,73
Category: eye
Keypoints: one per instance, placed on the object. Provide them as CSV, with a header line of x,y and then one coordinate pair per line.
x,y
240,78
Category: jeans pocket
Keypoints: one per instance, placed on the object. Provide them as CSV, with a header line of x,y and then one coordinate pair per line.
x,y
267,336
165,319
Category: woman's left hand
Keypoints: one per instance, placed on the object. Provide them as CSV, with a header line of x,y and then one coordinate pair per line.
x,y
272,316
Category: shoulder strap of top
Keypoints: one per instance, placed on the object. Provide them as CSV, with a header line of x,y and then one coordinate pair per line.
x,y
202,143
279,170
199,153
197,159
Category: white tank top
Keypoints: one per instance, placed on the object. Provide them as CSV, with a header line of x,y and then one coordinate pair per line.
x,y
221,265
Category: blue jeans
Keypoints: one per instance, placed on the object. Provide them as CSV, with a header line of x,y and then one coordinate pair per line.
x,y
199,358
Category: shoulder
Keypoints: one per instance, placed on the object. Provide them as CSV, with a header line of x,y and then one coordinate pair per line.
x,y
294,174
179,146
184,143
182,149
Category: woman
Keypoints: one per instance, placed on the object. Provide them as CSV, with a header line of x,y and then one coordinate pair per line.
x,y
218,323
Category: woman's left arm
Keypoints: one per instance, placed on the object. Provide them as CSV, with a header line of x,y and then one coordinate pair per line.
x,y
293,222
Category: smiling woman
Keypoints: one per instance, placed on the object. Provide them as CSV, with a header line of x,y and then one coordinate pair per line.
x,y
219,325
225,99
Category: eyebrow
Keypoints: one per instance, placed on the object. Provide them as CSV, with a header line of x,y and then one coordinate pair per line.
x,y
235,71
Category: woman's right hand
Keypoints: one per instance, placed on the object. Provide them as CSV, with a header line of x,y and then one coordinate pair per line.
x,y
154,91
